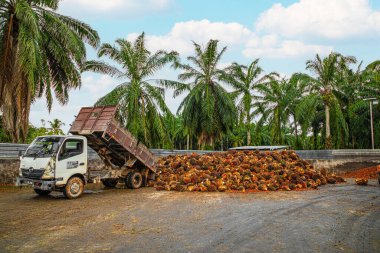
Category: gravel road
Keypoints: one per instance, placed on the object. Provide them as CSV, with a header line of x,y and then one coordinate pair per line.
x,y
335,218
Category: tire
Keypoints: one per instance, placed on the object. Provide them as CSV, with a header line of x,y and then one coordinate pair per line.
x,y
109,182
134,180
42,192
74,188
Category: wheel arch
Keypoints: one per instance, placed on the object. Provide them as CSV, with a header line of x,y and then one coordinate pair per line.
x,y
81,176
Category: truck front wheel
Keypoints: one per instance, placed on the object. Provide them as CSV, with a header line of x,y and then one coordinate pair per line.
x,y
74,188
42,192
134,180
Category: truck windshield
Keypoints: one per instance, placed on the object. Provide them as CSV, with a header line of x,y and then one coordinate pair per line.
x,y
43,147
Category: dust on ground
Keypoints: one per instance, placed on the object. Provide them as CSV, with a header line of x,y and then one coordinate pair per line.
x,y
335,218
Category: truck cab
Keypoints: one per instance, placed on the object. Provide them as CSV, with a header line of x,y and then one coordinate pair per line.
x,y
55,163
59,162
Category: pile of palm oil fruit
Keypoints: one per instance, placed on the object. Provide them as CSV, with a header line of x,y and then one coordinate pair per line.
x,y
239,171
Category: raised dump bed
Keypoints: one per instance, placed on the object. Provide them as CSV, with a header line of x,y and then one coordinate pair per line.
x,y
114,144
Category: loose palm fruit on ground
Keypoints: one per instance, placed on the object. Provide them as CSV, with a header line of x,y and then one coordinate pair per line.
x,y
361,181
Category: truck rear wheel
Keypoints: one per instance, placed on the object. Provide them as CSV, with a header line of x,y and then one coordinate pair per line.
x,y
109,182
74,188
134,180
42,192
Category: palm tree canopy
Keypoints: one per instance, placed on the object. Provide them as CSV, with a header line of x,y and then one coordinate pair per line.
x,y
328,70
55,126
40,51
141,104
245,80
208,109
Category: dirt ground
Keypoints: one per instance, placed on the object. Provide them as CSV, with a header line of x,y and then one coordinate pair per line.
x,y
335,218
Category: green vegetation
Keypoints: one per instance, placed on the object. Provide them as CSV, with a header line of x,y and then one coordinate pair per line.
x,y
54,128
241,105
141,104
245,79
41,52
208,110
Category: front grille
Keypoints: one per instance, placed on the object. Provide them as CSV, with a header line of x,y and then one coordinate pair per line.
x,y
32,173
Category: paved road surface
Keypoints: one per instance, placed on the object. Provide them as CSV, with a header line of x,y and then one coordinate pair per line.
x,y
336,218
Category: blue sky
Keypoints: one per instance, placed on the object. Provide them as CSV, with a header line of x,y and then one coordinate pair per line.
x,y
283,34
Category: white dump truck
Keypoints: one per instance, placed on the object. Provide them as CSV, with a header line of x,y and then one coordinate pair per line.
x,y
60,163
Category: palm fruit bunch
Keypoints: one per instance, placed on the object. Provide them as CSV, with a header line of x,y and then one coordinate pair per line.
x,y
238,171
361,181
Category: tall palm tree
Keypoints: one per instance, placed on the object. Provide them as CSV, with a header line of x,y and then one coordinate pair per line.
x,y
55,127
244,80
272,103
328,73
41,52
141,104
296,88
208,109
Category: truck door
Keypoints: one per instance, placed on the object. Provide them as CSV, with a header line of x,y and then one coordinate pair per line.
x,y
71,159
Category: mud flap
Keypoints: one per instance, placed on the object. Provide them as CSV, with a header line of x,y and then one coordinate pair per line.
x,y
145,173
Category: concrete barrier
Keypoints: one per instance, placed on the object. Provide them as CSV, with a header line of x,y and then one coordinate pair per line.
x,y
11,151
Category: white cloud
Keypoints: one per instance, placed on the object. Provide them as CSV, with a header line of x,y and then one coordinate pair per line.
x,y
270,46
325,18
64,113
112,8
231,34
99,86
183,33
93,87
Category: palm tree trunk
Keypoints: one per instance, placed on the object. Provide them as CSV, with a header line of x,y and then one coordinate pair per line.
x,y
248,137
296,130
248,130
328,134
143,120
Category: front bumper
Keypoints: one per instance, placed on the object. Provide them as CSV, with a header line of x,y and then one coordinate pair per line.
x,y
37,184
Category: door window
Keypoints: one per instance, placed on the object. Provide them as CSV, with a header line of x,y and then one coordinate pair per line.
x,y
70,148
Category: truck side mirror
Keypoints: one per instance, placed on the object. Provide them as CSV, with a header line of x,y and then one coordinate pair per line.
x,y
20,154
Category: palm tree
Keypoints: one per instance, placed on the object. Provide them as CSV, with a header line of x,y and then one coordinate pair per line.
x,y
176,131
55,127
326,85
357,85
208,109
244,80
272,103
277,101
41,52
295,90
141,104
